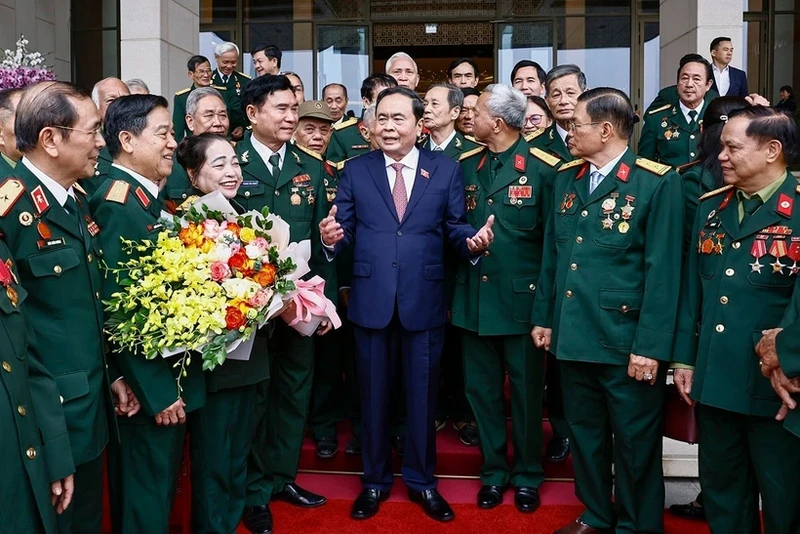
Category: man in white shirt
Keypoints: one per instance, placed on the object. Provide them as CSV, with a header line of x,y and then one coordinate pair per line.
x,y
728,80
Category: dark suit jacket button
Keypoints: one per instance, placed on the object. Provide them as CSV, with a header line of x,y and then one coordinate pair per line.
x,y
394,264
399,233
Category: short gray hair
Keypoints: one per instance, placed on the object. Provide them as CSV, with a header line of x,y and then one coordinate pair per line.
x,y
197,95
224,48
400,55
508,104
455,97
137,82
559,71
368,118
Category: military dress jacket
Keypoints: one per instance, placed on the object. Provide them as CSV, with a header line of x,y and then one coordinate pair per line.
x,y
91,183
787,345
739,280
236,84
697,181
612,259
123,208
495,296
550,141
347,141
298,196
58,257
179,109
457,146
34,443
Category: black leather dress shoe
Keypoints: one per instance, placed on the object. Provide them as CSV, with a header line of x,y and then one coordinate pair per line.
x,y
399,445
367,503
490,496
354,445
257,519
433,503
557,449
294,494
467,433
327,447
688,511
526,499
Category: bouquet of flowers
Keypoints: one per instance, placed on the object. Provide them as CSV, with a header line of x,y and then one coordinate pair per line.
x,y
20,68
208,282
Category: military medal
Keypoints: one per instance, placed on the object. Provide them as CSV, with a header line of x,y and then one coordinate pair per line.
x,y
12,295
295,199
758,250
330,193
708,246
523,180
794,254
668,135
6,277
310,199
92,226
676,134
664,123
627,209
623,227
471,203
609,204
778,250
608,222
566,204
44,230
25,218
718,246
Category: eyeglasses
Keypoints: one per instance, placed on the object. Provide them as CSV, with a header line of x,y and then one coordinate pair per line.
x,y
572,125
96,131
535,119
204,72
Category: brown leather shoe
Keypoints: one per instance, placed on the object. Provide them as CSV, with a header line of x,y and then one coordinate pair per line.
x,y
578,527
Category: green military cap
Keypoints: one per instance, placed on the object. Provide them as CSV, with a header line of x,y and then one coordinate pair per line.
x,y
315,109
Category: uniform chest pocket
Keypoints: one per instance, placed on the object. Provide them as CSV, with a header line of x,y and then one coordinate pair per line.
x,y
54,262
522,212
564,224
302,205
769,277
613,238
707,265
249,189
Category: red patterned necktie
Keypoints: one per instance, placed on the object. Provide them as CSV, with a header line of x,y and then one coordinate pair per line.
x,y
399,193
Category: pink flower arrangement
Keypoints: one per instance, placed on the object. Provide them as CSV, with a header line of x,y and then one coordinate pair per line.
x,y
20,68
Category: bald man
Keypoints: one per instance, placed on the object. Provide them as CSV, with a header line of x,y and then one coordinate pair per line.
x,y
104,93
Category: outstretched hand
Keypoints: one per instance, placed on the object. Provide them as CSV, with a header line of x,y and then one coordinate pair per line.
x,y
330,230
483,238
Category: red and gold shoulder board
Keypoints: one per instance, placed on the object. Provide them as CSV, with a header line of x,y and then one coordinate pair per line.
x,y
544,156
118,192
716,192
571,164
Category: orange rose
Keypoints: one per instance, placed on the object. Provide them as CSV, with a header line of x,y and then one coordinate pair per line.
x,y
234,318
235,228
266,276
238,261
191,236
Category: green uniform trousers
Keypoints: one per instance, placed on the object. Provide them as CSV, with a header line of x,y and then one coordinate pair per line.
x,y
280,412
601,400
486,360
335,391
85,514
555,398
143,474
741,456
221,435
453,403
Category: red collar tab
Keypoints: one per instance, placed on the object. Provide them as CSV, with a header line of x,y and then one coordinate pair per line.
x,y
40,200
141,196
519,162
582,172
725,201
785,204
623,173
481,162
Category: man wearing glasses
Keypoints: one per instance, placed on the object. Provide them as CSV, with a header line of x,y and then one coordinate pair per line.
x,y
200,73
606,307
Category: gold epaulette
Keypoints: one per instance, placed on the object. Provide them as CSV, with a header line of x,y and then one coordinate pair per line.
x,y
219,88
662,108
243,74
310,152
77,187
471,153
472,139
349,122
183,91
187,204
533,135
571,164
652,166
118,192
686,166
11,191
340,165
544,156
716,191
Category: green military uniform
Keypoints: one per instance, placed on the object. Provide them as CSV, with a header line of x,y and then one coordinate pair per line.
x,y
179,109
234,87
58,260
297,195
740,279
179,188
347,141
786,345
143,467
608,288
551,142
34,443
493,302
697,181
667,137
91,183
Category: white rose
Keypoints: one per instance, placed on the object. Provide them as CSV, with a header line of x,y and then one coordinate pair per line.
x,y
252,251
220,252
240,288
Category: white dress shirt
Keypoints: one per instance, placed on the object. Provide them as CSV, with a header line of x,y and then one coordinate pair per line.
x,y
265,152
410,163
562,132
723,79
445,143
149,185
608,167
55,188
686,109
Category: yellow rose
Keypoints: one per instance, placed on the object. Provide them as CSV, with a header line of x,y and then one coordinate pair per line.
x,y
247,235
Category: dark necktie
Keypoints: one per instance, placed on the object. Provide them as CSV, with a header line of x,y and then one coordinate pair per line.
x,y
224,80
274,160
750,205
692,116
494,166
71,208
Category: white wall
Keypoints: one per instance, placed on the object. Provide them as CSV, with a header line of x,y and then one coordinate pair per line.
x,y
45,23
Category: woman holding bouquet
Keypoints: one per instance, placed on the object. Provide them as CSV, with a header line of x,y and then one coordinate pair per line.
x,y
222,430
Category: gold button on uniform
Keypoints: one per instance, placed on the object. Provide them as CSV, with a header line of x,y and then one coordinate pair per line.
x,y
584,213
484,278
89,257
723,299
30,453
57,269
569,294
574,267
97,295
6,367
532,287
247,193
736,244
22,411
486,253
720,328
624,308
61,399
490,201
729,272
579,239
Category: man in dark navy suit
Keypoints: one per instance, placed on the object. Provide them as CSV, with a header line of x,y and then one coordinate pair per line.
x,y
407,207
728,81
